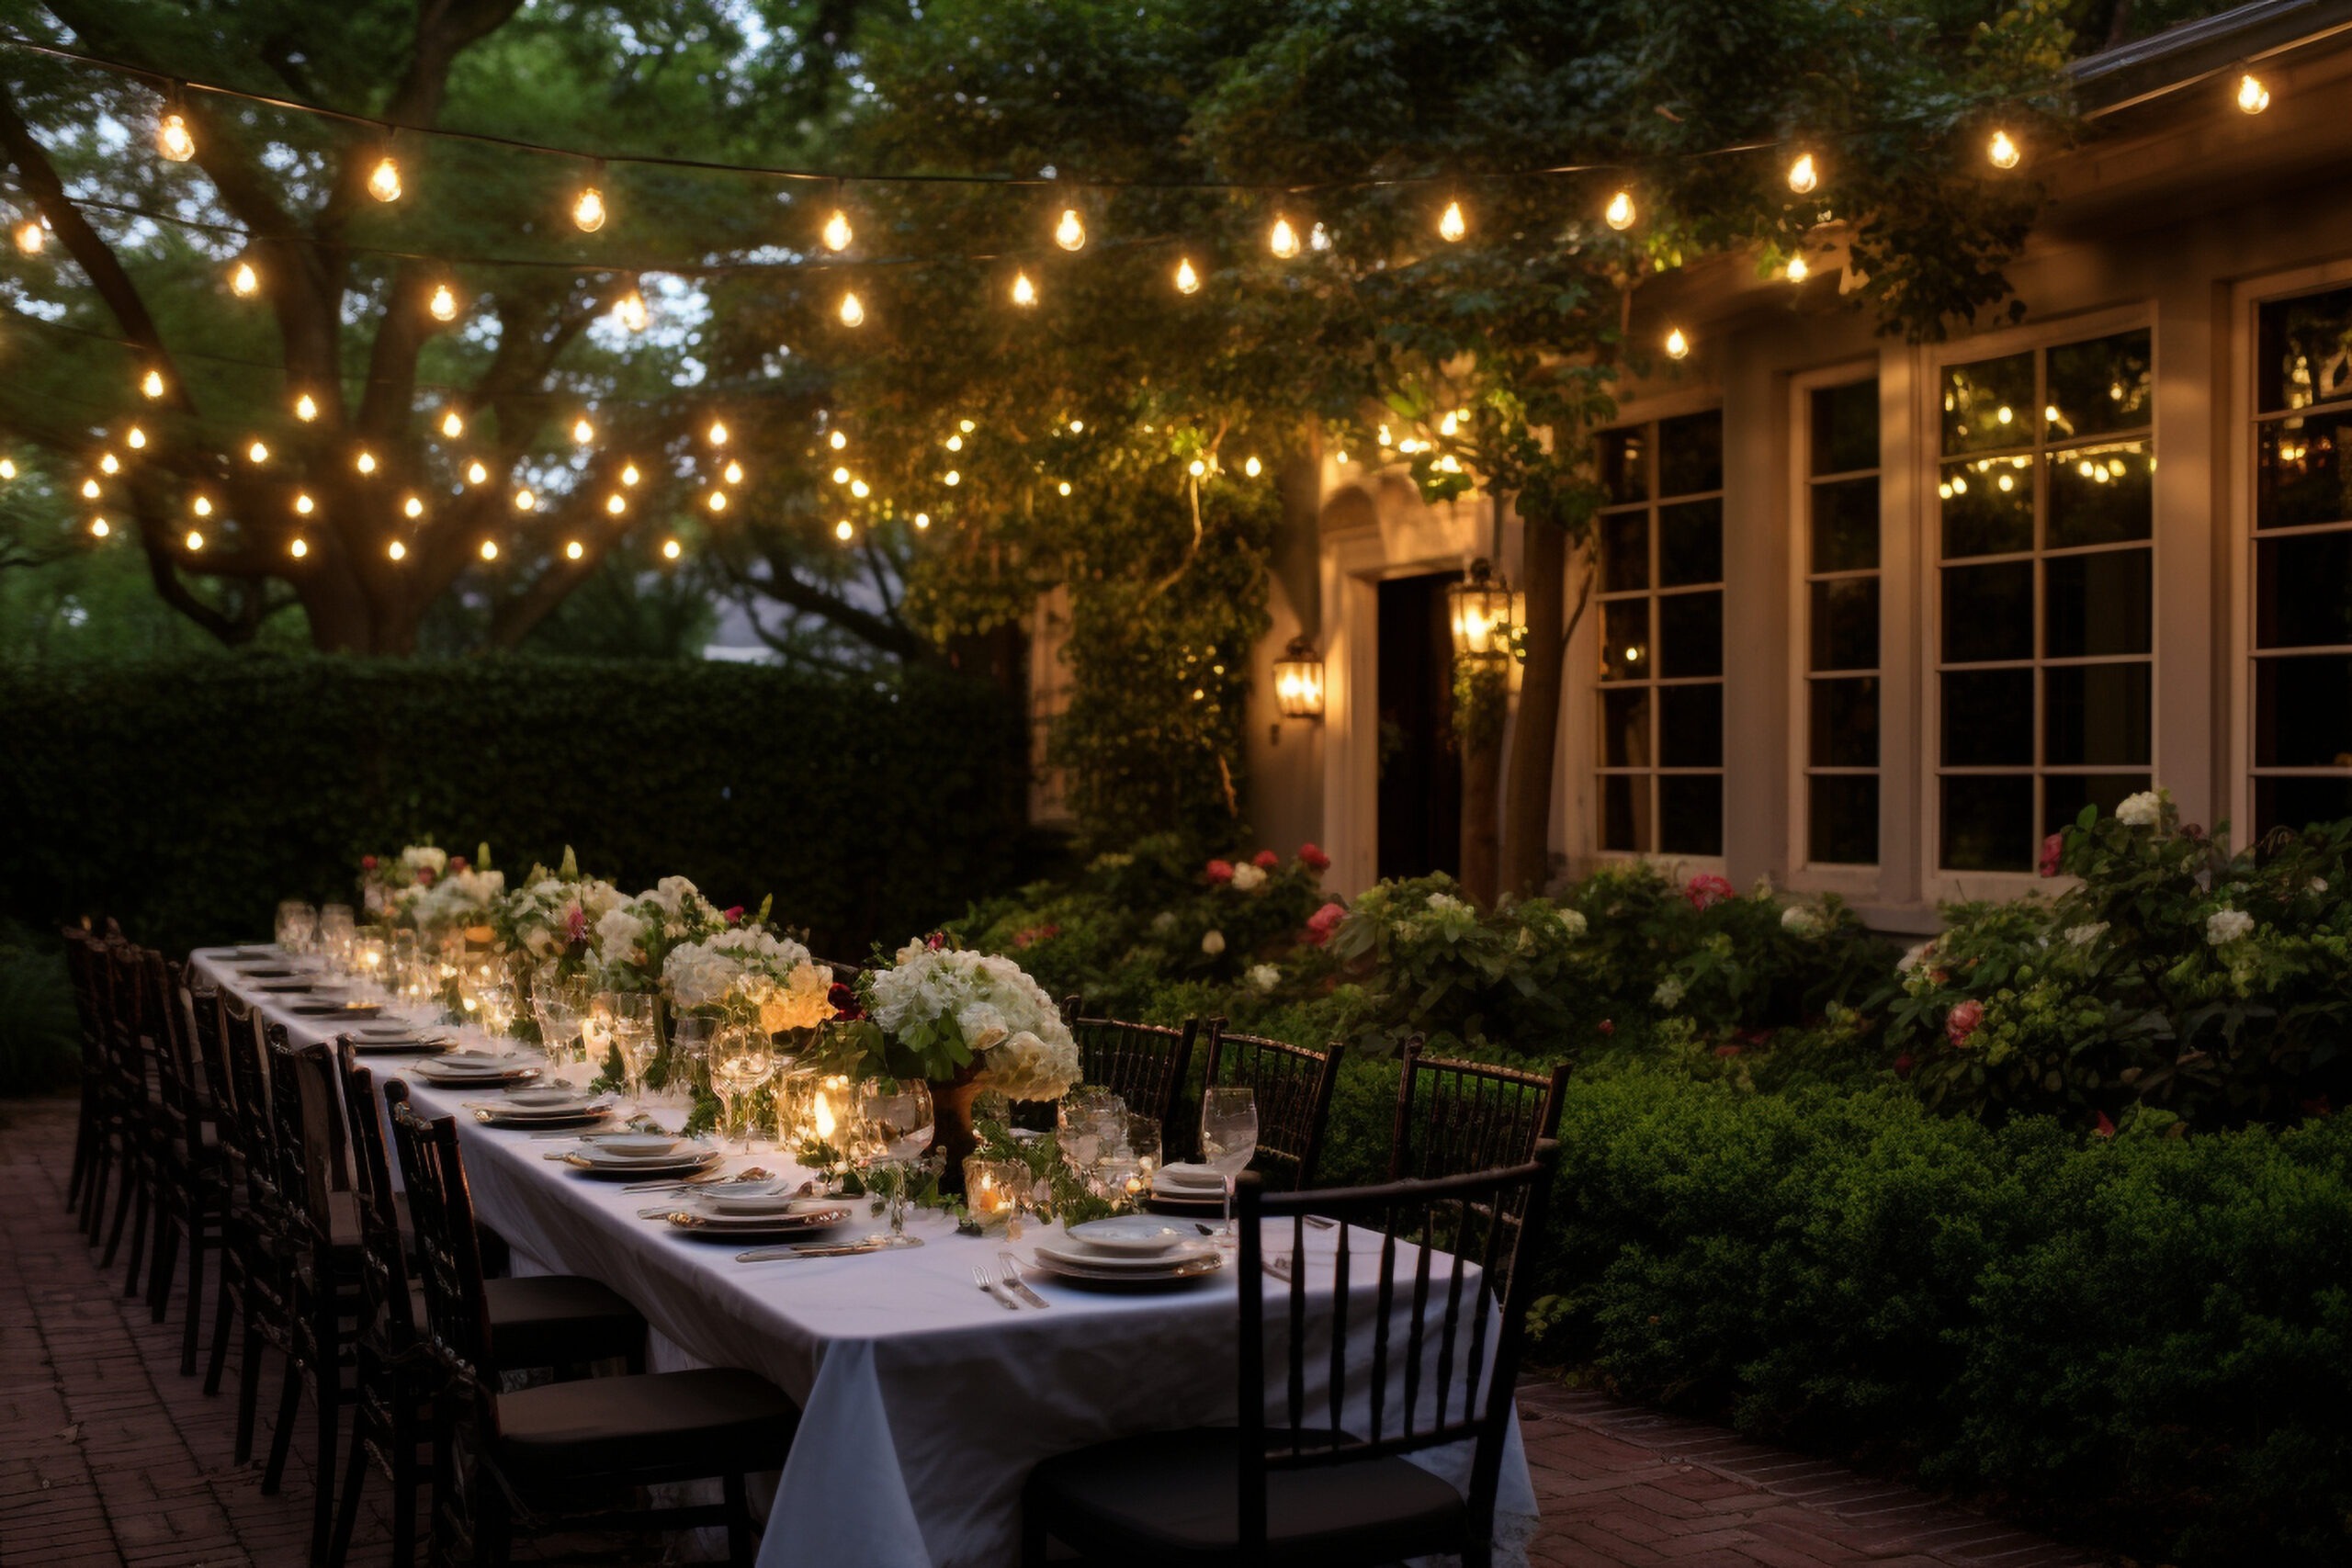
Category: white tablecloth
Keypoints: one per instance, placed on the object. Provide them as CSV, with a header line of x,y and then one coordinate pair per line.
x,y
925,1403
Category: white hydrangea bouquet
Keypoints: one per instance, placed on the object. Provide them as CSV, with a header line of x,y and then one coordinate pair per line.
x,y
978,1017
552,916
749,971
632,940
459,901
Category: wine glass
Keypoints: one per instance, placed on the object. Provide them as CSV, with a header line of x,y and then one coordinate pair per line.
x,y
337,933
894,1122
742,1057
557,1006
1134,1156
689,1060
1228,1137
297,927
634,1030
496,1004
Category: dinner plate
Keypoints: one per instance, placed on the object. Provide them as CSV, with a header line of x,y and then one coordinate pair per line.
x,y
282,988
817,1216
604,1163
1176,1263
505,1116
765,1201
545,1096
335,1009
1132,1236
261,969
448,1072
409,1045
253,950
1188,1179
1113,1279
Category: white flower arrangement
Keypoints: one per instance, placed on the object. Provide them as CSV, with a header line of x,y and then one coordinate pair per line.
x,y
749,967
948,1008
1264,976
458,900
1212,942
2225,926
1799,920
1248,879
632,940
547,916
2144,809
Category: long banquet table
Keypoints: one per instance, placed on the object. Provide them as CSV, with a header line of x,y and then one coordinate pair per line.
x,y
925,1403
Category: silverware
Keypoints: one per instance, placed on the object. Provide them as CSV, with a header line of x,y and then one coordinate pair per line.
x,y
676,1184
1320,1223
1010,1273
1278,1265
997,1293
778,1254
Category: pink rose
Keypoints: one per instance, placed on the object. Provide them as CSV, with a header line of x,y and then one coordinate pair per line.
x,y
457,863
936,941
732,915
1219,872
1963,1021
2054,852
2105,1128
1313,859
1322,923
367,862
1265,860
575,926
424,876
1704,891
1608,1026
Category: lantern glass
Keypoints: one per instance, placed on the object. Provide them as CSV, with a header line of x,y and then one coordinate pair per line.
x,y
1298,680
1481,613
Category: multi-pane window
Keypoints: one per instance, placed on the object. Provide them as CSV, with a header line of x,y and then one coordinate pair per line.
x,y
2045,664
1661,600
1841,569
2302,562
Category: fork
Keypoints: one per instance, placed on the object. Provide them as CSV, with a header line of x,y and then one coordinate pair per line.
x,y
987,1282
1009,1278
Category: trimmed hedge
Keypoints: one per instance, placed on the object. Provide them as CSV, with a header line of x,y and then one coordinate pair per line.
x,y
186,799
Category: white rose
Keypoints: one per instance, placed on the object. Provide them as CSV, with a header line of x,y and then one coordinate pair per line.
x,y
1265,976
1248,879
1915,958
1212,944
1668,993
982,1026
2225,926
2144,809
2318,884
1574,922
1799,921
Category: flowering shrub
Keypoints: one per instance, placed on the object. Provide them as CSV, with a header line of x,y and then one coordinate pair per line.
x,y
2175,976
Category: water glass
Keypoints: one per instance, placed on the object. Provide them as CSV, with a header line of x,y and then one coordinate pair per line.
x,y
1228,1137
742,1057
297,928
337,932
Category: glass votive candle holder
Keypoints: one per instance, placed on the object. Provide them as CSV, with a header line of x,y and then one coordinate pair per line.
x,y
993,1191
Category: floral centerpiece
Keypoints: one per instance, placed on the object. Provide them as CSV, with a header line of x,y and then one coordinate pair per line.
x,y
389,885
966,1023
552,916
750,972
426,887
633,940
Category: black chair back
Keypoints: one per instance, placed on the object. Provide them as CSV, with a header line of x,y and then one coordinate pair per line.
x,y
1145,1064
302,1111
1448,1282
164,1019
1292,1087
243,1043
1453,1117
388,1320
211,1042
84,958
448,1248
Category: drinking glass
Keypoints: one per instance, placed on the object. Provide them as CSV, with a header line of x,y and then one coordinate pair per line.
x,y
297,927
632,1029
1228,1137
894,1121
688,1063
495,1005
1135,1155
557,1006
337,933
1090,1116
742,1057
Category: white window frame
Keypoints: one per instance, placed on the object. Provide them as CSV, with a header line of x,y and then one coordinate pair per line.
x,y
2246,300
1939,885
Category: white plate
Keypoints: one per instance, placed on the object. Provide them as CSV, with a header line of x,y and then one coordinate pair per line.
x,y
545,1097
1102,1270
603,1162
720,1208
599,1147
767,1198
823,1216
1132,1236
1172,1263
1188,1181
519,1115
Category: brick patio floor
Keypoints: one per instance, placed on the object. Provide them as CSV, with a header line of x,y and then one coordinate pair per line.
x,y
107,1455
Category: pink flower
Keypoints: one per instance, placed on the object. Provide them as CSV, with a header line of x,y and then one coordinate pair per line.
x,y
733,915
575,925
1703,891
2054,852
1265,860
2106,1129
1903,1065
367,862
424,876
457,863
1608,1026
1322,923
1219,872
1963,1021
1313,859
936,941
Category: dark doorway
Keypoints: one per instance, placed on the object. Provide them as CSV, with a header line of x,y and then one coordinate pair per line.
x,y
1420,773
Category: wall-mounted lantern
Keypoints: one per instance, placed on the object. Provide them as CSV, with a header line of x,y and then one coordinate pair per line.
x,y
1298,680
1482,613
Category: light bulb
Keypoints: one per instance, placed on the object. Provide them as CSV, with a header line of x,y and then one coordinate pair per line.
x,y
838,440
575,550
1619,213
1283,240
89,489
445,303
1197,467
304,504
1803,175
7,467
31,236
734,474
1071,233
299,549
2253,96
955,444
245,282
853,313
306,408
99,528
194,541
384,179
1187,280
588,212
153,385
109,463
258,452
951,478
134,438
630,312
490,549
844,532
1024,293
414,507
365,462
581,431
838,233
174,140
967,426
1798,270
716,500
2002,150
669,549
859,489
397,550
923,519
1253,468
841,475
524,500
1677,345
717,432
203,507
1451,225
1077,426
616,505
476,473
453,424
629,474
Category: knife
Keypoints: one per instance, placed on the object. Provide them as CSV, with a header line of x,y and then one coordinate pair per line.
x,y
1016,1284
778,1254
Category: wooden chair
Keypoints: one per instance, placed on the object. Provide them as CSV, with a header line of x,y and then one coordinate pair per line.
x,y
190,1189
1324,1481
541,1455
89,1132
135,1094
1293,1086
1145,1064
254,1251
1460,1116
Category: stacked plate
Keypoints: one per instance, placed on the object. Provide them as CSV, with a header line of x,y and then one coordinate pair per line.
x,y
391,1035
761,1211
470,1069
1136,1251
538,1108
1188,1188
623,1155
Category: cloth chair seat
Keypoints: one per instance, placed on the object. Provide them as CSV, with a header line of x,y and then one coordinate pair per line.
x,y
650,1426
553,1320
1174,1498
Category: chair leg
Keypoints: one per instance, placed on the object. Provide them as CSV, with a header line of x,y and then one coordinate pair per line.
x,y
163,1263
406,1482
93,1191
224,1308
738,1521
193,1328
83,1137
330,1417
493,1530
142,1201
127,1185
281,1437
346,1513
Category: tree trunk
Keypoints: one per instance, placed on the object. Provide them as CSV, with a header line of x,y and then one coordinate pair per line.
x,y
1481,770
1527,804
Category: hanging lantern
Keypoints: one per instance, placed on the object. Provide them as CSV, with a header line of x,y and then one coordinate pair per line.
x,y
1298,680
1479,609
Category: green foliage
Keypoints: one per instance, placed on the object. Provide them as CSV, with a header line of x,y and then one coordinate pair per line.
x,y
39,1032
186,799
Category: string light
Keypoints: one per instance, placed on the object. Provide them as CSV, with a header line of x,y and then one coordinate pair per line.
x,y
1253,468
476,473
298,549
838,233
1196,468
258,452
2253,96
7,467
1451,225
923,520
853,314
1677,345
413,508
574,549
967,426
384,179
365,462
1283,240
717,432
669,549
628,474
1024,293
2002,150
616,505
588,212
445,303
716,500
31,236
453,423
1077,426
490,549
396,551
524,500
99,528
734,474
1071,233
1619,213
194,541
1803,175
858,488
153,384
245,282
841,475
631,311
581,431
306,408
844,532
203,507
951,478
173,138
303,504
1187,280
1798,271
89,489
837,440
